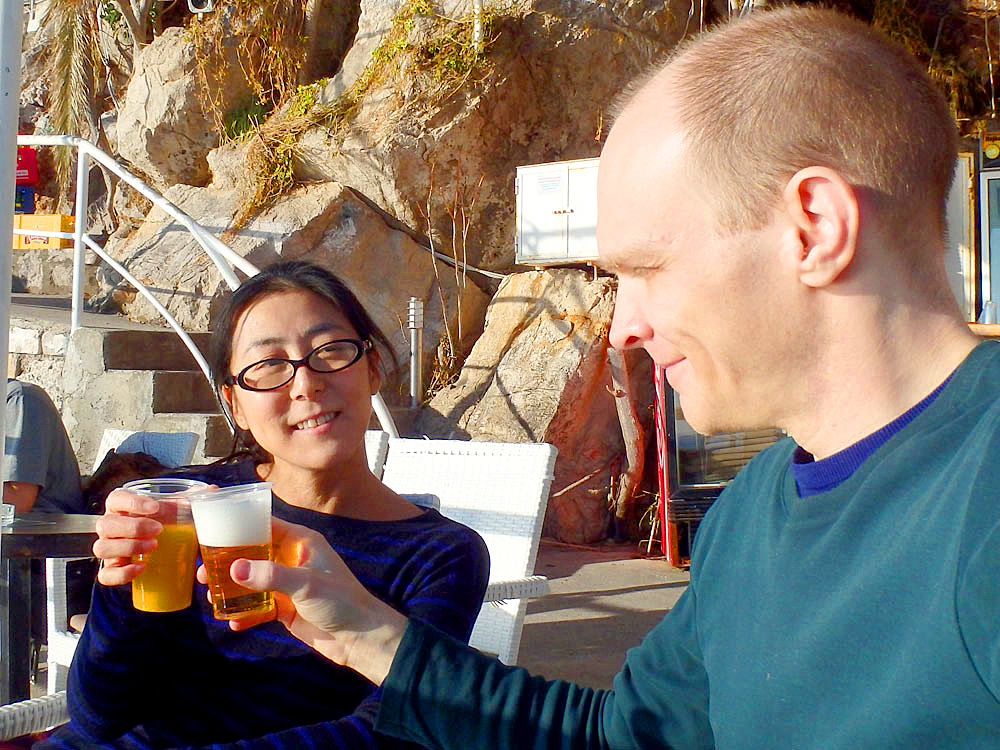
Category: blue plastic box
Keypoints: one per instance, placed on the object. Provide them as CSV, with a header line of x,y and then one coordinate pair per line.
x,y
24,199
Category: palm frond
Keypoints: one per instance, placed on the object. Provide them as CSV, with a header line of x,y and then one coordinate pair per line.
x,y
73,68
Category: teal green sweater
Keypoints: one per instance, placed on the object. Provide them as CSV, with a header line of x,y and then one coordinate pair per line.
x,y
863,617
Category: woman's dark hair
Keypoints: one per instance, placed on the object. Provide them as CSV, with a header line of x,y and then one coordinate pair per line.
x,y
284,276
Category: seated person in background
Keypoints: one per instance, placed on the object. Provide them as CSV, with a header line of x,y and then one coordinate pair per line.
x,y
295,362
40,471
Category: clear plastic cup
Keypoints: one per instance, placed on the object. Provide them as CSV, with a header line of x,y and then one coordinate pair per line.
x,y
234,522
167,582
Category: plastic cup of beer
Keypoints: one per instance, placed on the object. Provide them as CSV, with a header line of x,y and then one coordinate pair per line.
x,y
167,582
233,523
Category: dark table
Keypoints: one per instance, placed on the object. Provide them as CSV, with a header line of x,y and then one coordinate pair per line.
x,y
33,535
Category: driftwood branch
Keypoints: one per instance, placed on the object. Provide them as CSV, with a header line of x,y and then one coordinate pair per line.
x,y
632,433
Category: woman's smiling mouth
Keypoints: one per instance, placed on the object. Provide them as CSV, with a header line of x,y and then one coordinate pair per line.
x,y
316,421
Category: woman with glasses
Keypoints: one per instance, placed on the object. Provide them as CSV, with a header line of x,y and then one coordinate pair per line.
x,y
295,360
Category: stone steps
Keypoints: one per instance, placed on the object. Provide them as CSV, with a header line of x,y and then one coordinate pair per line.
x,y
115,373
151,350
183,392
140,380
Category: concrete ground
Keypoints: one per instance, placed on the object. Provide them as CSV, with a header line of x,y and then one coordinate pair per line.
x,y
602,602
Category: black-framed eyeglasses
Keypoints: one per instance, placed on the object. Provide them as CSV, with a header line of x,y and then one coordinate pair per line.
x,y
274,372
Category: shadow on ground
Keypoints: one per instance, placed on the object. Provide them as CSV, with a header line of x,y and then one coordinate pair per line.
x,y
603,601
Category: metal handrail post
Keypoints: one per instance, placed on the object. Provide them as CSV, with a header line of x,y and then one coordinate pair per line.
x,y
477,24
11,18
79,228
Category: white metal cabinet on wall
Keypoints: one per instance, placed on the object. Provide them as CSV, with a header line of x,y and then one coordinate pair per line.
x,y
556,215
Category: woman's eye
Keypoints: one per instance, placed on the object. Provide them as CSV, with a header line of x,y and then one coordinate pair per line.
x,y
336,351
269,364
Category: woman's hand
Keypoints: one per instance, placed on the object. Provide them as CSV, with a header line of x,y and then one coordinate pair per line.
x,y
321,602
122,533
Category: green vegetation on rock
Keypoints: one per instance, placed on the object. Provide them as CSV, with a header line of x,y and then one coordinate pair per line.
x,y
444,59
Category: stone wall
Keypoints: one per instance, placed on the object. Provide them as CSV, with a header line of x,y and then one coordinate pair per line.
x,y
37,353
539,372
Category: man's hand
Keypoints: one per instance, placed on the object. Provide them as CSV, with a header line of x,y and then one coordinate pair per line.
x,y
21,495
321,602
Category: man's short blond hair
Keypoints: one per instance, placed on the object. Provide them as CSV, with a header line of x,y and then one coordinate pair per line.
x,y
761,98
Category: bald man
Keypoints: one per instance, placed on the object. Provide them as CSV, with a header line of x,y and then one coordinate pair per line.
x,y
772,202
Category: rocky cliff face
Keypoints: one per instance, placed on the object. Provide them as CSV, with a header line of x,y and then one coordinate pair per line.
x,y
410,145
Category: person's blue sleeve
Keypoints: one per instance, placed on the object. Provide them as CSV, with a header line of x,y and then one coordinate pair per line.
x,y
107,688
350,733
978,609
442,694
449,593
449,596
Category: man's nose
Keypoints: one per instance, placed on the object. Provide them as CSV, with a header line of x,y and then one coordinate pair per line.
x,y
629,328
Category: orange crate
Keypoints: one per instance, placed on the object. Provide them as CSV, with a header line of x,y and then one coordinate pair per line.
x,y
46,223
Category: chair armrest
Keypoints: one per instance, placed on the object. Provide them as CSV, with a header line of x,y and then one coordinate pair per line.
x,y
35,715
516,588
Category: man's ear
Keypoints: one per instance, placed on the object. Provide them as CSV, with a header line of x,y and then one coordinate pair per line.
x,y
824,209
234,410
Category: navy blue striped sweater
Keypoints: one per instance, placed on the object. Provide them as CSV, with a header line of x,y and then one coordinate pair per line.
x,y
184,679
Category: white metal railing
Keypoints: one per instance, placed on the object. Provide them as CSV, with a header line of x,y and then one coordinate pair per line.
x,y
220,253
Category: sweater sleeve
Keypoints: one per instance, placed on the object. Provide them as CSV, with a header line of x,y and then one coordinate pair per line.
x,y
118,650
352,731
442,694
978,610
126,646
447,594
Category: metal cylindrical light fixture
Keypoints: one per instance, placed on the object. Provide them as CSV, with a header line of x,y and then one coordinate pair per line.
x,y
415,322
477,24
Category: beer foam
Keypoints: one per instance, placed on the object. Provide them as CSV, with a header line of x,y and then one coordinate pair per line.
x,y
225,518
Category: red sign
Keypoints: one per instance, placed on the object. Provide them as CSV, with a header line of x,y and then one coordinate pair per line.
x,y
27,166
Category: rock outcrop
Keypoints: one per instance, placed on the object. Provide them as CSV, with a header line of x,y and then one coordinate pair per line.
x,y
416,147
162,128
419,147
326,223
539,373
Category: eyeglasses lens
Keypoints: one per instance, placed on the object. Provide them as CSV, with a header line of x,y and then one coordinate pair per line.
x,y
334,356
274,373
269,374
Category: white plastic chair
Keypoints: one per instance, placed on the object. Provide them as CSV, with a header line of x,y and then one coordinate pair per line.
x,y
500,490
170,449
34,715
376,447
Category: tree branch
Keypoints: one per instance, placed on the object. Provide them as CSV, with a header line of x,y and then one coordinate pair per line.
x,y
632,433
